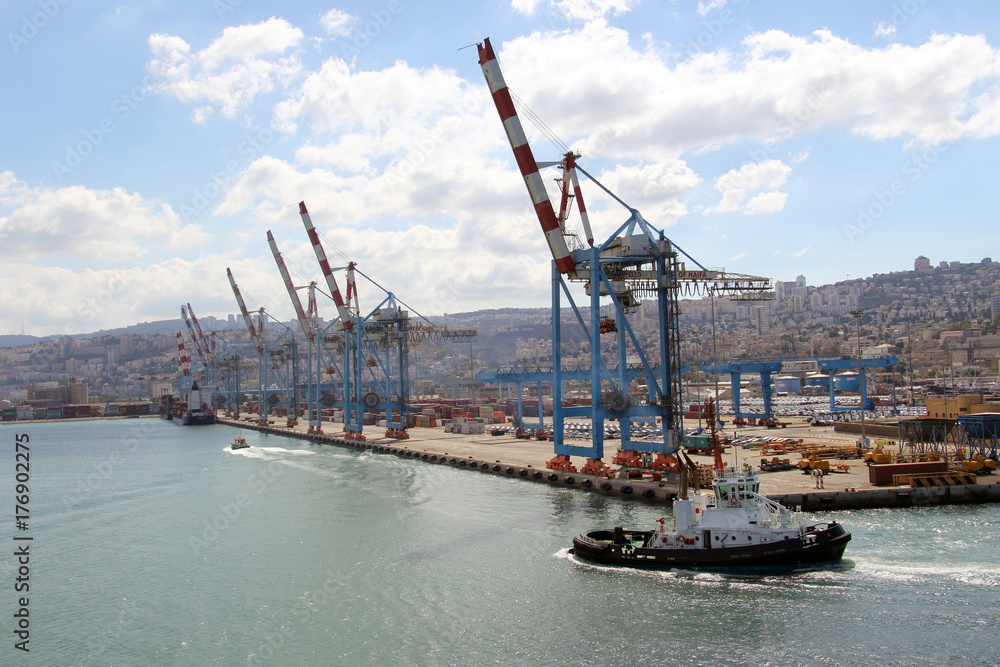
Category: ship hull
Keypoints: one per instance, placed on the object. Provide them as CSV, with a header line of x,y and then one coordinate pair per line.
x,y
824,545
194,420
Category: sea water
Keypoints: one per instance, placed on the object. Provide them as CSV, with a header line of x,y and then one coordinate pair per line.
x,y
155,544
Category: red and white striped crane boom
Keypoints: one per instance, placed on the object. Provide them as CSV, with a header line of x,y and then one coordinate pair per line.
x,y
183,358
525,159
254,336
208,348
304,322
331,282
194,337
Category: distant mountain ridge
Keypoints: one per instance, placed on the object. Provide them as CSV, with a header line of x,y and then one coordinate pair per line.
x,y
157,327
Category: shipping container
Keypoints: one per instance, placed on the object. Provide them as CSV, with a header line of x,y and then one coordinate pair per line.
x,y
880,475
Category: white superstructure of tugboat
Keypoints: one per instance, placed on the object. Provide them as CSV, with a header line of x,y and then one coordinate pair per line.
x,y
733,527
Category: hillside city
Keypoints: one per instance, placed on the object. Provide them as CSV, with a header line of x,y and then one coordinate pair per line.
x,y
941,321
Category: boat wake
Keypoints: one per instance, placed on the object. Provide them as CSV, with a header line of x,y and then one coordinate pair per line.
x,y
973,574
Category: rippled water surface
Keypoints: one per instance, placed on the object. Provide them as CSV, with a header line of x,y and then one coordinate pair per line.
x,y
157,544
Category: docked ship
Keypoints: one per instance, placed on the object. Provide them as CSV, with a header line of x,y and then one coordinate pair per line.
x,y
167,406
197,410
733,528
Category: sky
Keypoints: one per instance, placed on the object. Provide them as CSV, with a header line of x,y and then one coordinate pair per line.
x,y
148,145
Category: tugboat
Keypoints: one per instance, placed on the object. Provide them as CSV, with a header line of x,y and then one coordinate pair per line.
x,y
240,443
735,528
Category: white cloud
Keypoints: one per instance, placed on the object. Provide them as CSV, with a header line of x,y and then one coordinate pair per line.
x,y
801,252
656,190
737,256
766,202
242,64
883,29
524,6
335,99
736,184
705,7
63,300
201,115
336,22
588,10
580,10
75,221
591,85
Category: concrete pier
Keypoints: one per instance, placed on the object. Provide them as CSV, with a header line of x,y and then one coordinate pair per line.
x,y
525,459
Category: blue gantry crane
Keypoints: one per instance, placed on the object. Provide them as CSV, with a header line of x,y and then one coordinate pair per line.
x,y
637,262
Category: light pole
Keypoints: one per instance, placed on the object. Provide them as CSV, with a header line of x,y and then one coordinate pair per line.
x,y
861,376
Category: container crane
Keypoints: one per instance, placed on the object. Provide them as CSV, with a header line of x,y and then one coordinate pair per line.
x,y
306,324
637,261
374,373
266,364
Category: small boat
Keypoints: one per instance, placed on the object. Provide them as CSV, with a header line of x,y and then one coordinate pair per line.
x,y
240,443
734,528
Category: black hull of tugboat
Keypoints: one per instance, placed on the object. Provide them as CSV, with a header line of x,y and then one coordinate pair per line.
x,y
823,546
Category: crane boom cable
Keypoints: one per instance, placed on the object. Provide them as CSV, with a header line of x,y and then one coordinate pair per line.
x,y
411,308
536,120
331,244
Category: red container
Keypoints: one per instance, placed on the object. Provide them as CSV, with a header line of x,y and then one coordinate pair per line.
x,y
880,475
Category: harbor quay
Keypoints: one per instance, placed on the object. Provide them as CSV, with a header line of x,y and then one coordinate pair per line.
x,y
846,486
